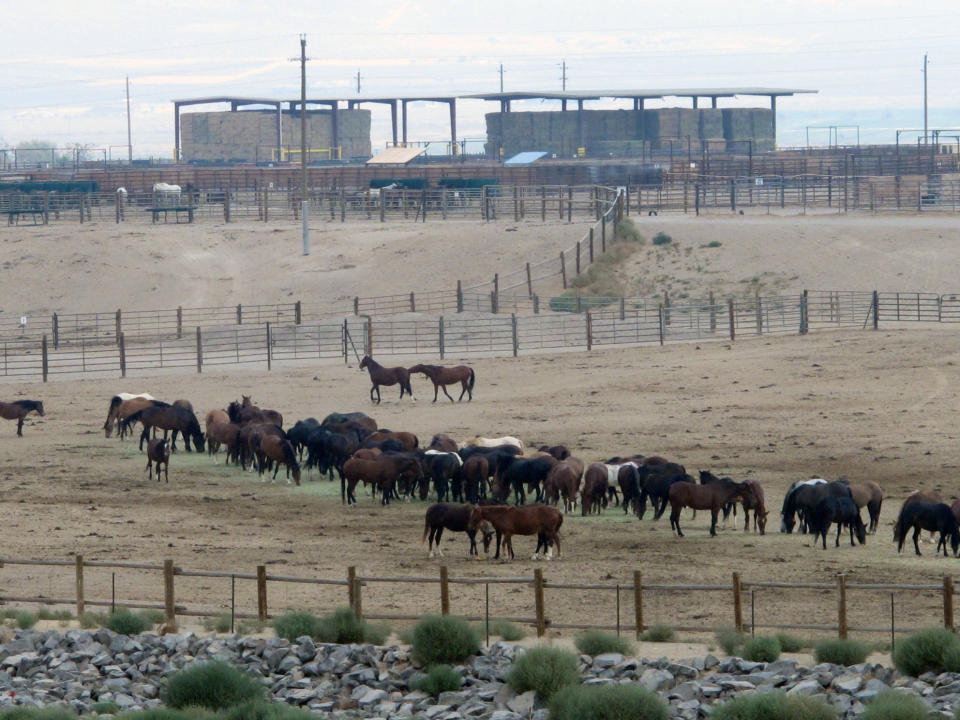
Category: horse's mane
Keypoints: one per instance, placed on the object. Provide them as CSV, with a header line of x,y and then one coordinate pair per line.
x,y
28,404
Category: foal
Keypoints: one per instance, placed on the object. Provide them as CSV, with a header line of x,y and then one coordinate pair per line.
x,y
158,451
18,410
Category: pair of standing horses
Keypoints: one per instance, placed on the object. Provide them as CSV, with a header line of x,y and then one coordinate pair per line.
x,y
439,375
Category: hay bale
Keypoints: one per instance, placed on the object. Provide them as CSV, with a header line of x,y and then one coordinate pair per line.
x,y
711,124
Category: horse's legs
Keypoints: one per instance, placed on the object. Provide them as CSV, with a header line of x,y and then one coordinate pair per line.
x,y
436,388
463,384
916,534
713,521
20,427
145,435
444,388
675,520
166,471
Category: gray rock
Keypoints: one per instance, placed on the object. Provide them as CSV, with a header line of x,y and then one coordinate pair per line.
x,y
806,687
689,690
523,704
607,660
848,683
656,679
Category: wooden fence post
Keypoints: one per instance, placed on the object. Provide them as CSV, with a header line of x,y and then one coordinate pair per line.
x,y
356,305
713,313
351,577
269,349
169,601
733,331
459,296
603,234
82,209
119,323
199,351
123,356
563,269
569,204
516,206
81,605
591,246
343,204
44,359
179,322
56,331
444,591
297,313
440,338
876,310
357,598
589,320
638,602
239,314
948,602
513,330
842,606
538,602
578,257
413,302
116,207
737,603
536,304
262,593
226,206
543,204
804,314
369,328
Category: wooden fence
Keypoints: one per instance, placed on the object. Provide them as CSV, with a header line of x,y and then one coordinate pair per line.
x,y
730,604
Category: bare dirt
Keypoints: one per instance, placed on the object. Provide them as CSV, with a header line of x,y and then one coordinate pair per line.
x,y
862,405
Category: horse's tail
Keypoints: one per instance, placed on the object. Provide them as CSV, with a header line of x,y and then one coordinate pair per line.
x,y
290,457
426,530
473,379
114,404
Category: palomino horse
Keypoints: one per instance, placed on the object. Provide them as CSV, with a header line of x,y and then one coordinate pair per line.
x,y
485,442
18,410
868,494
123,405
507,521
443,376
710,497
380,375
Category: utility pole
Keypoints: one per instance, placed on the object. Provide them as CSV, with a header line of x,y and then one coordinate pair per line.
x,y
304,202
925,141
358,82
129,141
563,76
501,77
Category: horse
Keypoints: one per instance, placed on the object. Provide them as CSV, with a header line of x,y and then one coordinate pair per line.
x,y
842,511
448,516
475,471
802,498
298,434
507,521
626,476
18,410
753,499
515,472
122,405
445,468
710,497
564,481
358,418
706,478
158,452
496,456
379,375
442,376
655,483
222,433
383,473
596,481
272,448
244,413
936,517
485,442
868,494
168,418
928,496
407,440
560,452
247,440
443,443
216,416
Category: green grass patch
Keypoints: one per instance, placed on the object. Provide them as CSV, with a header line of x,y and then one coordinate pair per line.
x,y
125,622
506,630
50,712
607,702
730,640
893,705
296,624
443,639
90,620
544,669
841,652
24,619
596,642
212,685
438,679
790,643
762,648
219,623
661,238
105,708
264,710
773,706
659,633
343,626
924,651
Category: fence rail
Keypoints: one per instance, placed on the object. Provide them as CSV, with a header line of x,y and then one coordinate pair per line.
x,y
631,612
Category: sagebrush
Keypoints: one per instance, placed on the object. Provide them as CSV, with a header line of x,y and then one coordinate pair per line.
x,y
607,702
545,670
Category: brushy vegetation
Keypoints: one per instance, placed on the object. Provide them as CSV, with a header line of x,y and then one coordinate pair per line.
x,y
730,640
105,708
125,622
296,624
892,705
790,643
659,633
924,651
220,623
251,626
841,652
343,626
506,630
213,685
596,642
628,232
264,710
762,648
443,639
49,614
24,619
27,712
773,706
439,678
90,620
661,238
544,669
607,702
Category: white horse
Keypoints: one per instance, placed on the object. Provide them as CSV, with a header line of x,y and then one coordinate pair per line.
x,y
166,196
495,442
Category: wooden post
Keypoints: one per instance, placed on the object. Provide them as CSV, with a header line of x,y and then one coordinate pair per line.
x,y
357,598
732,316
578,257
123,357
543,204
179,322
444,591
56,331
623,308
459,297
269,348
842,606
440,339
413,302
383,203
948,602
876,310
119,325
538,602
199,351
563,269
638,602
343,204
589,321
713,313
536,304
483,202
369,328
660,321
356,305
262,593
513,330
496,283
737,603
351,578
529,282
297,313
516,206
116,207
591,246
169,601
226,206
666,307
603,234
44,358
239,314
569,204
82,209
78,564
804,313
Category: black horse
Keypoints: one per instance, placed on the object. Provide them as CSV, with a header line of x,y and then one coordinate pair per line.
x,y
935,517
802,498
299,433
496,457
444,468
515,472
448,516
170,417
655,482
839,510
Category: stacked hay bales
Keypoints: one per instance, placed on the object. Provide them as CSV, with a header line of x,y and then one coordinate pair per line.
x,y
756,124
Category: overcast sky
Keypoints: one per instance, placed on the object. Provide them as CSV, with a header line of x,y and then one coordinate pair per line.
x,y
63,64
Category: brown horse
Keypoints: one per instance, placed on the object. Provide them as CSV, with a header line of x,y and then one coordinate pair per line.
x,y
442,376
868,494
563,481
380,375
383,473
247,440
508,520
596,482
443,443
158,451
18,410
710,497
408,440
276,450
222,433
244,414
752,499
122,407
475,473
166,418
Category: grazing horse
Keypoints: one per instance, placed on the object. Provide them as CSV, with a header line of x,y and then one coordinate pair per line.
x,y
842,511
407,440
560,452
753,499
596,481
928,496
18,410
507,521
222,433
279,451
515,472
710,497
485,442
247,441
380,375
564,481
168,418
456,518
868,494
802,498
475,472
298,434
244,413
443,443
158,452
655,483
445,469
443,376
123,405
936,517
383,473
358,418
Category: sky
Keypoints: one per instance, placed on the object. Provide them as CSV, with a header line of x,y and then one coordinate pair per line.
x,y
63,64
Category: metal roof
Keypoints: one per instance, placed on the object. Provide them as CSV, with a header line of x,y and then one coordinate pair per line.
x,y
396,156
523,159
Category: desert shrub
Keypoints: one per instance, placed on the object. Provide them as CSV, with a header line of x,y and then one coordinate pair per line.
x,y
89,620
165,713
50,712
213,685
406,636
951,659
507,630
762,648
265,710
627,232
220,623
924,651
661,238
595,642
296,624
250,626
730,640
892,705
841,652
789,643
155,617
607,702
105,708
773,706
343,626
125,622
443,639
439,678
713,244
659,633
544,669
24,619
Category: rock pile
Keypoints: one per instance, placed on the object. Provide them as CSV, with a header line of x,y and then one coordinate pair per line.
x,y
80,668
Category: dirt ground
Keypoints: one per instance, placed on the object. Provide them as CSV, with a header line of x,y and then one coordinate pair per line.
x,y
857,404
